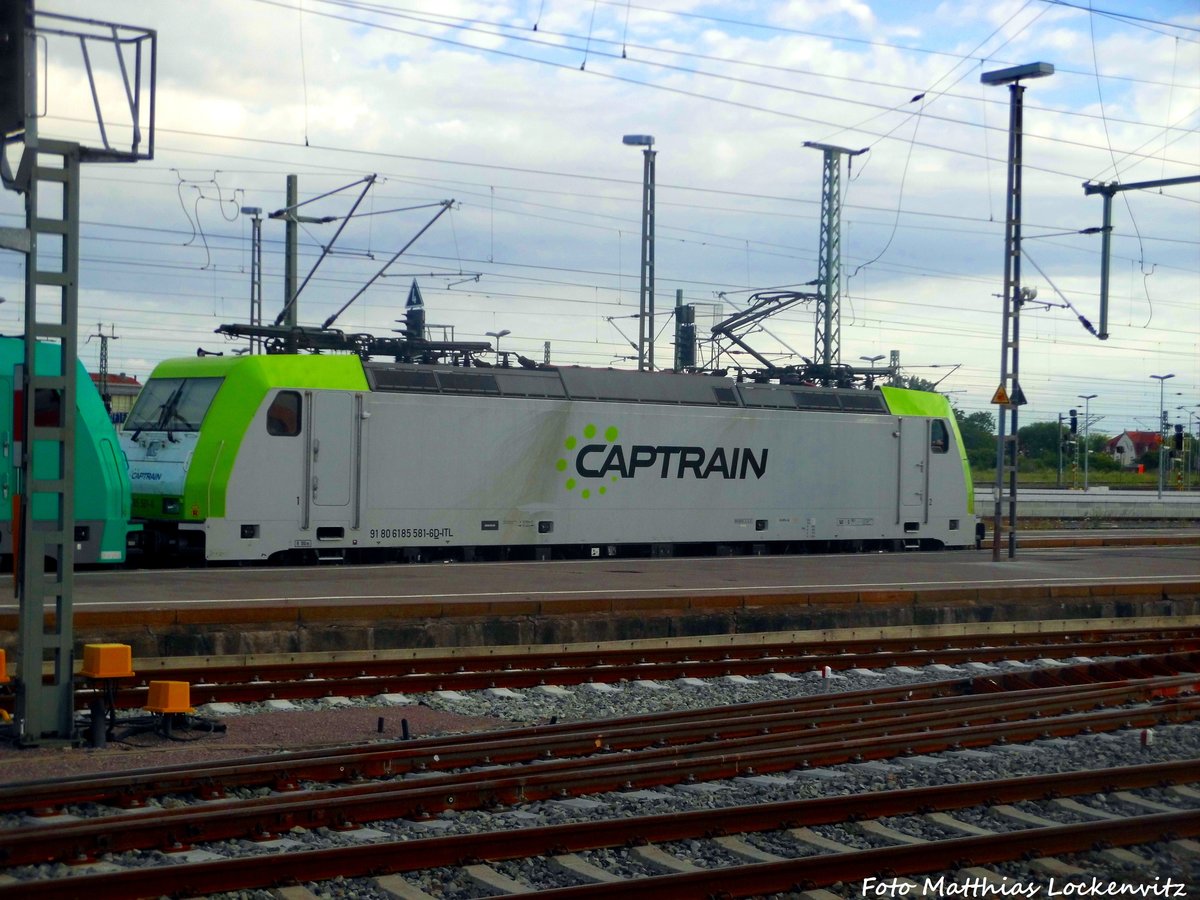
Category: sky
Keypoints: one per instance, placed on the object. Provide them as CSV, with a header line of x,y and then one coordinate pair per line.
x,y
516,111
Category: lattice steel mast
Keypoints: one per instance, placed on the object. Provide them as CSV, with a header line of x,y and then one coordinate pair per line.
x,y
827,342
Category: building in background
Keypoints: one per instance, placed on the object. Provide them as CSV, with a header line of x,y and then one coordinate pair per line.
x,y
122,391
1130,446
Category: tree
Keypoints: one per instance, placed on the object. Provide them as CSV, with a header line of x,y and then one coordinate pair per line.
x,y
1039,442
916,383
978,432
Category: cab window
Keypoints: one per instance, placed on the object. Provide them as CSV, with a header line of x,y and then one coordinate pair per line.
x,y
172,404
283,416
939,437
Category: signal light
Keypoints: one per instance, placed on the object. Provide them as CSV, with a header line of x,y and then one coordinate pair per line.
x,y
1179,437
1074,422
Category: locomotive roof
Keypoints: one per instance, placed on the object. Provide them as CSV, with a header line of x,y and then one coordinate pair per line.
x,y
346,372
615,385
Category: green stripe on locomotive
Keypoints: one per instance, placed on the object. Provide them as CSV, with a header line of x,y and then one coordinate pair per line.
x,y
246,381
905,402
102,491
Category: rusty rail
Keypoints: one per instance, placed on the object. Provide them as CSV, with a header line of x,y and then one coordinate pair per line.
x,y
652,766
762,878
298,681
1056,686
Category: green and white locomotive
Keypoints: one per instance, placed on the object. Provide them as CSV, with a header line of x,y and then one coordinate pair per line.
x,y
332,457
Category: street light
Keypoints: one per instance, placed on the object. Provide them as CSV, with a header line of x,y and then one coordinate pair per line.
x,y
871,372
497,335
1162,439
1086,398
1013,298
646,303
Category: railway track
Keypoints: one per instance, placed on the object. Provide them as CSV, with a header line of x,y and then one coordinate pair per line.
x,y
420,779
730,826
256,681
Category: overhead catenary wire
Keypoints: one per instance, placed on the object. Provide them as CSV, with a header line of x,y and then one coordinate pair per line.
x,y
746,242
656,86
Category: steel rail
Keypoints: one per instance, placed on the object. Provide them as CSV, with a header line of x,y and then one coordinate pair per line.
x,y
256,682
315,681
913,859
284,771
403,856
992,646
340,807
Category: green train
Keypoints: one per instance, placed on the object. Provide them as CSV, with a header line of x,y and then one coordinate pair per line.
x,y
327,457
102,487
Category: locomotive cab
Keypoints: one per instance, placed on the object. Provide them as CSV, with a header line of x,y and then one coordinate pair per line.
x,y
159,439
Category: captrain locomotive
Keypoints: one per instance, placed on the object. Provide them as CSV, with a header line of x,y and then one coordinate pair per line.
x,y
102,490
328,457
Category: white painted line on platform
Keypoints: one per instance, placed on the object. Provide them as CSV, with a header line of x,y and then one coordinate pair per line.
x,y
646,591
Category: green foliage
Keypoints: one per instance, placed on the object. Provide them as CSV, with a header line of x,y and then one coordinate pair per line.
x,y
1040,442
979,437
916,383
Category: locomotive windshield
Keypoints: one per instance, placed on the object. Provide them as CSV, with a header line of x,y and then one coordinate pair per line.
x,y
172,404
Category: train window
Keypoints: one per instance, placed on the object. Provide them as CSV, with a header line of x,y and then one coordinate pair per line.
x,y
172,404
47,408
283,416
939,437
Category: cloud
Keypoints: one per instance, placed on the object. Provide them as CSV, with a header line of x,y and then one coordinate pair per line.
x,y
468,101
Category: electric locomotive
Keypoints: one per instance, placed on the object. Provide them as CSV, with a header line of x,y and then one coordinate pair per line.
x,y
330,457
102,489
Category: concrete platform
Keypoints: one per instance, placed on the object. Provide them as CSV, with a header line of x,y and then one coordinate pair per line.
x,y
334,609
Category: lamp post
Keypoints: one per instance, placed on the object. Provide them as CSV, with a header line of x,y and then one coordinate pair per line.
x,y
497,335
1013,298
1162,429
646,304
1086,398
871,373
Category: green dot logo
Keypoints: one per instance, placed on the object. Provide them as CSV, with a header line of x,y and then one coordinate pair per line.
x,y
563,463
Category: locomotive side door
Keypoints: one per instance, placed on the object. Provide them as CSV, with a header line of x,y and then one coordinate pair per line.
x,y
913,467
331,453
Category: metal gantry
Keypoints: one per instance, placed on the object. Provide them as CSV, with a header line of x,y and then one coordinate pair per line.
x,y
43,445
45,708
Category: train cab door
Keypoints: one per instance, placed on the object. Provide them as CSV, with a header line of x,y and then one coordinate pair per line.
x,y
331,449
913,469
